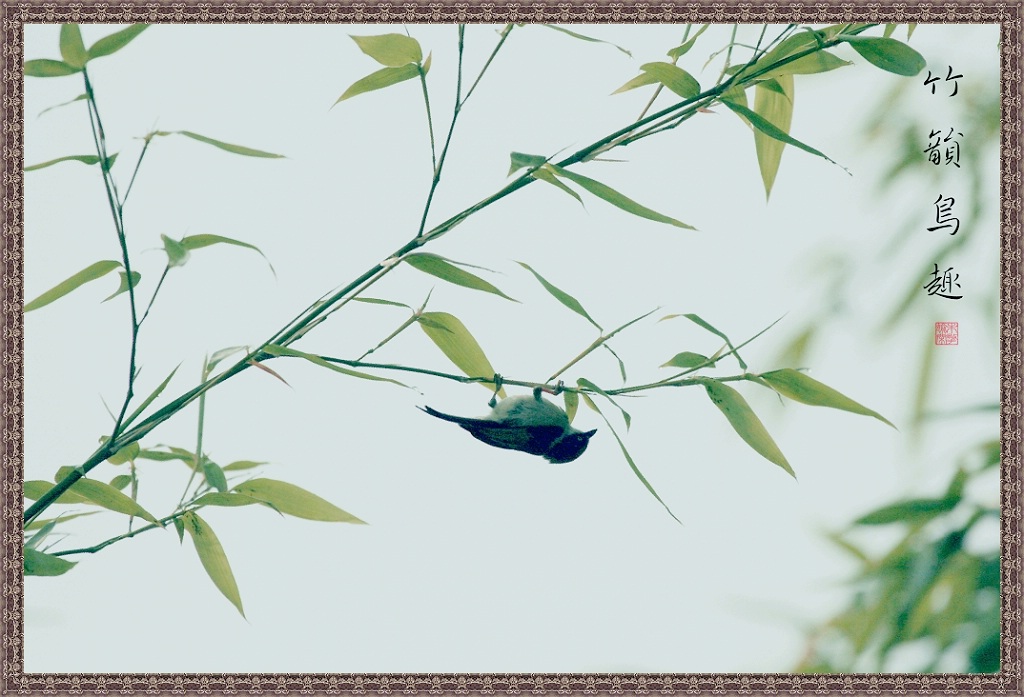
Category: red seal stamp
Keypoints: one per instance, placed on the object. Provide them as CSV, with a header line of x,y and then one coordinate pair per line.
x,y
947,333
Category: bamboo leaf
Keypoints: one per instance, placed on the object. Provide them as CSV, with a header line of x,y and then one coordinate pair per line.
x,y
451,336
767,127
40,522
909,511
35,489
125,454
191,242
687,359
561,296
583,382
545,174
446,270
227,147
803,388
385,77
47,67
72,50
227,498
392,50
275,350
679,51
110,498
745,422
641,80
295,501
617,199
583,37
888,54
817,62
89,273
41,564
572,403
152,396
212,556
242,465
121,481
123,288
84,159
673,77
777,109
177,254
378,301
116,41
521,160
214,476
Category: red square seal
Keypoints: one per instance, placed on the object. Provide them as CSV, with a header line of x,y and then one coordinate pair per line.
x,y
947,333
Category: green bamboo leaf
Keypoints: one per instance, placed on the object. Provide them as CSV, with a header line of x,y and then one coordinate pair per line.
x,y
641,80
451,336
770,129
212,556
125,454
616,199
177,254
889,29
777,109
622,366
110,498
745,422
121,481
179,528
911,511
583,37
545,174
700,322
42,522
89,273
378,301
802,388
583,382
561,296
572,403
227,498
687,359
116,41
679,51
84,159
215,476
227,147
191,242
41,564
910,29
72,50
35,489
392,50
123,288
521,160
817,62
295,501
149,400
79,98
673,77
888,54
275,350
629,459
385,77
242,465
47,67
446,270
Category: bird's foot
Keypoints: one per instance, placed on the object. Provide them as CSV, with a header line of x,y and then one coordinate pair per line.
x,y
498,381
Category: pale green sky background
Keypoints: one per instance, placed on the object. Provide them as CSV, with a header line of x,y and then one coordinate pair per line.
x,y
477,559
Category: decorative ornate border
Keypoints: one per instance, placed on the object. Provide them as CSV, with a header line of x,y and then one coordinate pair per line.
x,y
14,15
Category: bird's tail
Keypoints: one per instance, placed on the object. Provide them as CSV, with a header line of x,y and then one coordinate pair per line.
x,y
461,420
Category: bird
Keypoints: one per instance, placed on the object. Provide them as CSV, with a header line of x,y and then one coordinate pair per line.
x,y
528,423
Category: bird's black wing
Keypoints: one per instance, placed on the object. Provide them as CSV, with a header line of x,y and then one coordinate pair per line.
x,y
535,440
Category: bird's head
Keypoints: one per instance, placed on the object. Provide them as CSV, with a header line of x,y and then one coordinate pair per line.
x,y
569,447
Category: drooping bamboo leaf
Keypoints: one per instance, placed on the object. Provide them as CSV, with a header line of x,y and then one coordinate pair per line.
x,y
700,322
47,67
673,77
622,366
79,98
687,359
72,50
545,174
629,458
123,288
89,273
214,476
121,481
125,454
889,29
275,350
84,159
294,500
110,498
777,109
572,403
392,50
385,77
191,242
617,199
641,80
40,535
116,41
803,388
227,147
817,62
767,127
583,382
522,160
35,489
745,422
220,354
678,52
212,556
38,563
451,336
446,270
888,54
583,37
561,296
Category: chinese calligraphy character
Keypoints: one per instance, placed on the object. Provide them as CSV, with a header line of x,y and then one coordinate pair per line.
x,y
942,285
944,217
950,77
952,151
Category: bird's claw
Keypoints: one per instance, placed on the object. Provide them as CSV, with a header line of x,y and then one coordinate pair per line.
x,y
498,380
